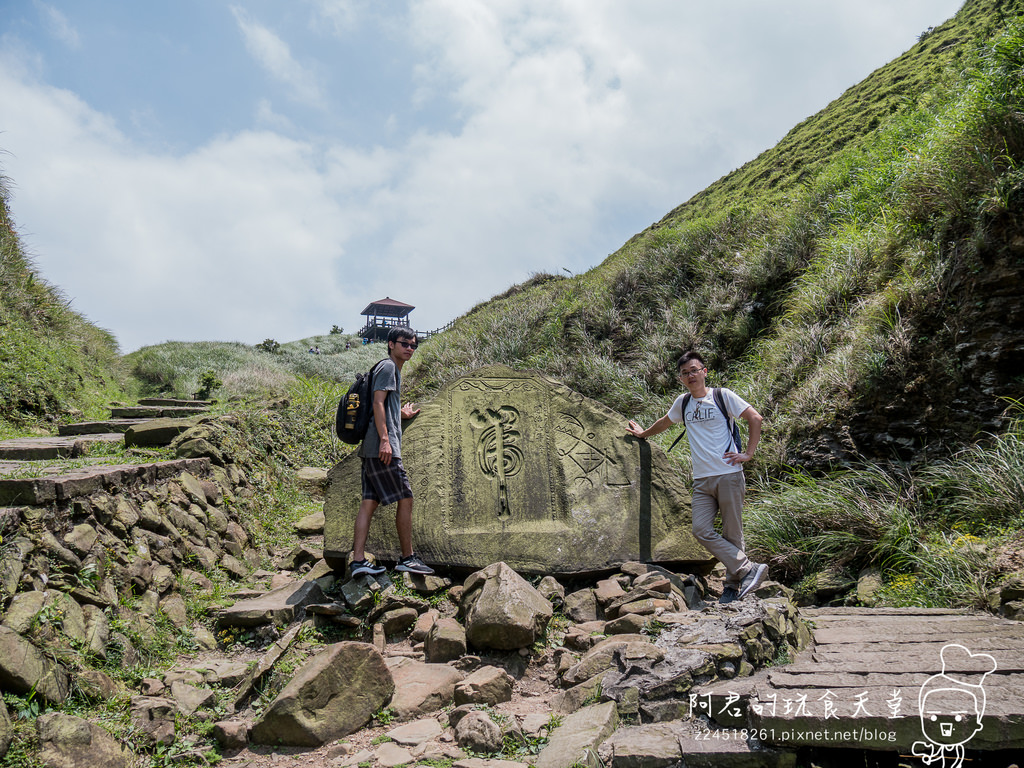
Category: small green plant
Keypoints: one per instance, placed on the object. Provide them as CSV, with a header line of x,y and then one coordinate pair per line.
x,y
437,762
208,383
25,707
782,656
269,345
384,716
336,329
310,634
654,627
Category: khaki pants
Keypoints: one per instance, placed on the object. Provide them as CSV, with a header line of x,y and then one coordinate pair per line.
x,y
722,493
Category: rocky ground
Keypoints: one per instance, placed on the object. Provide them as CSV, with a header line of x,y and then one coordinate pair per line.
x,y
621,631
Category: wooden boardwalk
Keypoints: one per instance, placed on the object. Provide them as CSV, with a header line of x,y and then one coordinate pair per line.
x,y
861,683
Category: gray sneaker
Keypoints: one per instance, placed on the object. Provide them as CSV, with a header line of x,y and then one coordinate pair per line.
x,y
755,576
365,568
729,594
412,564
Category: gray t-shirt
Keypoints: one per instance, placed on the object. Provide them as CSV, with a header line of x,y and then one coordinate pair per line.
x,y
389,378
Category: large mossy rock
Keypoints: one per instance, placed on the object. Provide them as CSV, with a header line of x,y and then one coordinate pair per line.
x,y
502,610
24,669
333,695
66,741
513,466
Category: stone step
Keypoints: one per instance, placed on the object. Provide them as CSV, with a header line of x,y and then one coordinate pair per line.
x,y
157,432
156,411
861,685
43,448
98,427
62,484
162,401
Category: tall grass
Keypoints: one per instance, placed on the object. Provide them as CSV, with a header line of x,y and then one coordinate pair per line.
x,y
800,524
933,533
982,486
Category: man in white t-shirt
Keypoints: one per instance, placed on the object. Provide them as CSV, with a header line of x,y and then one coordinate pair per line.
x,y
718,481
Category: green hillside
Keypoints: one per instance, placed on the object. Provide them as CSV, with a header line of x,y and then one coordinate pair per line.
x,y
859,282
53,362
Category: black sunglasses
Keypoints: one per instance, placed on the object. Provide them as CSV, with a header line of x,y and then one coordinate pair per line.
x,y
408,344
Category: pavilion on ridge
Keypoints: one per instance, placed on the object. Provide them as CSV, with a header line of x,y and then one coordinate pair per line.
x,y
383,315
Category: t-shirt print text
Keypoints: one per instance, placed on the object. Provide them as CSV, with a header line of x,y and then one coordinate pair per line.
x,y
702,412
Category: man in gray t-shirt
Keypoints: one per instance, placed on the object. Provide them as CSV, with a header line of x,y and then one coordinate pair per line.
x,y
387,378
384,478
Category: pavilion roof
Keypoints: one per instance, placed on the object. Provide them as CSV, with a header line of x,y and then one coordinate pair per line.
x,y
388,307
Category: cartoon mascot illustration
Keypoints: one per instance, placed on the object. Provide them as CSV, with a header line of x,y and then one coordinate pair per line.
x,y
952,704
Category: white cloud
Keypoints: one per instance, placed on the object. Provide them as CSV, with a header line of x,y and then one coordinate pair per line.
x,y
275,57
341,15
577,123
59,25
234,240
267,117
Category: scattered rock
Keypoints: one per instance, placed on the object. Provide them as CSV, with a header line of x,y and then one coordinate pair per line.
x,y
581,606
552,591
231,735
503,611
487,685
333,695
280,606
477,732
421,688
391,755
311,525
24,669
154,717
416,732
6,730
445,642
190,699
66,741
576,740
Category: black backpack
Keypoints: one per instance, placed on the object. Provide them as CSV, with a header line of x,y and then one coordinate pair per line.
x,y
734,428
355,409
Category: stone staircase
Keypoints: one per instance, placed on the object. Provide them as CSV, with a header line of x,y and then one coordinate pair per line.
x,y
154,422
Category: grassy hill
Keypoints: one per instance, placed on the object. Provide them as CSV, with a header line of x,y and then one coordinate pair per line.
x,y
53,362
854,281
861,284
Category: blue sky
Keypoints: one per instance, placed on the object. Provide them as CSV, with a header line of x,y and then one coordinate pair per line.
x,y
235,171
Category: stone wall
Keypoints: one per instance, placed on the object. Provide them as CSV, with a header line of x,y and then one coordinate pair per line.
x,y
93,562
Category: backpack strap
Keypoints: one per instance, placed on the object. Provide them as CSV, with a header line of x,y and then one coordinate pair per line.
x,y
734,428
686,402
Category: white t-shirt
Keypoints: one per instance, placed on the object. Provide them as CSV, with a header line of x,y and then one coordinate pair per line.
x,y
707,429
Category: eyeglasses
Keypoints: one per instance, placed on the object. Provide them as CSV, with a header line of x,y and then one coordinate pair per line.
x,y
690,372
408,344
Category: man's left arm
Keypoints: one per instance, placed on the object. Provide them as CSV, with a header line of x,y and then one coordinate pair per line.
x,y
753,419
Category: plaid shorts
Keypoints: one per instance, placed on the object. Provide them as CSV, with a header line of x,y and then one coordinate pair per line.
x,y
385,483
